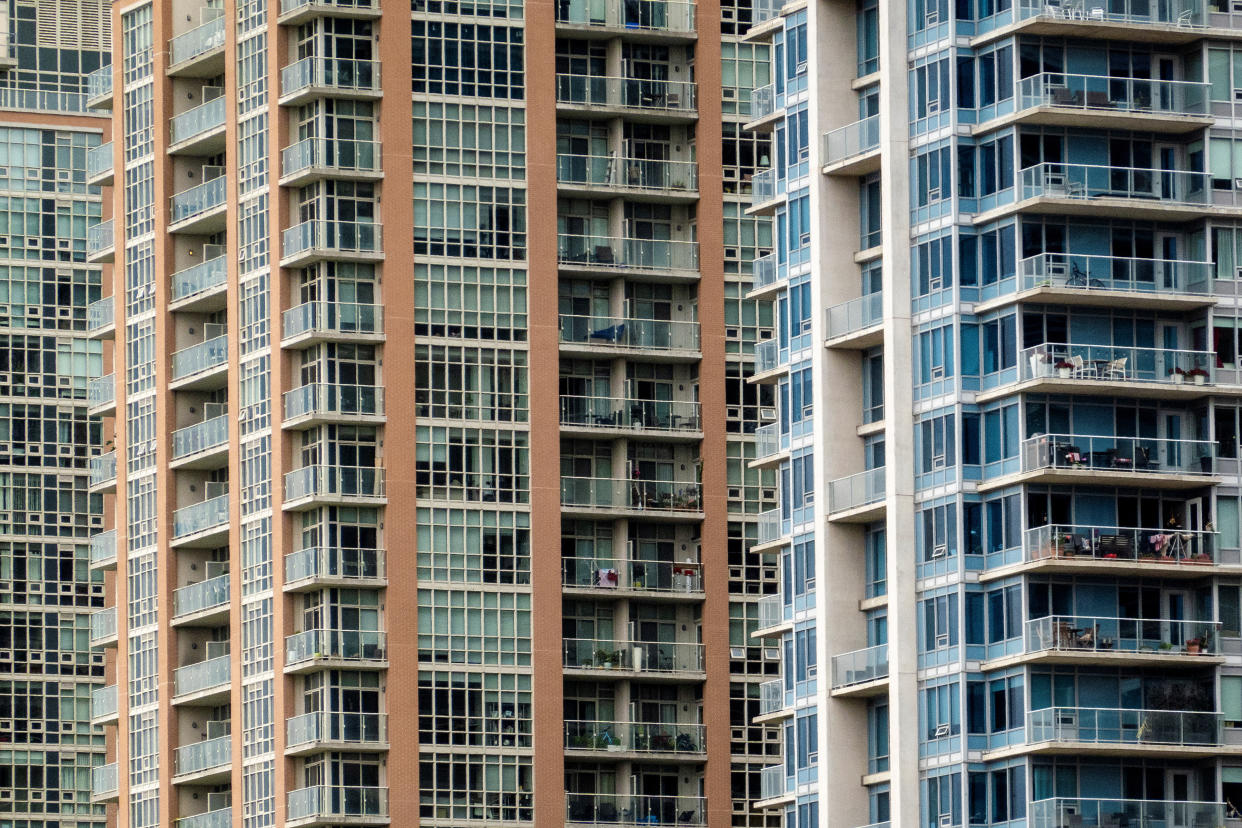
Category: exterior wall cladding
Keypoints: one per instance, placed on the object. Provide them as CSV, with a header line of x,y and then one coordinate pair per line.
x,y
433,499
1006,269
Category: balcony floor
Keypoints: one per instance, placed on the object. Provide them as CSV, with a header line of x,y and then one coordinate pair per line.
x,y
862,163
1139,299
1098,387
1101,477
1083,118
1109,567
1132,750
1112,658
1150,209
862,690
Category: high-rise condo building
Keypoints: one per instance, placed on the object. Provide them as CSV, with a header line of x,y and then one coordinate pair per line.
x,y
1006,268
433,499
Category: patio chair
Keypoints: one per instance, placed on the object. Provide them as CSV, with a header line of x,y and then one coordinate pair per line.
x,y
1080,368
1116,369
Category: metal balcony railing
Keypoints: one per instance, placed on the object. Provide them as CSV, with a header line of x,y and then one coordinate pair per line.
x,y
1117,364
1095,634
1088,181
1145,455
1101,93
1113,726
640,94
1121,545
1104,273
1133,813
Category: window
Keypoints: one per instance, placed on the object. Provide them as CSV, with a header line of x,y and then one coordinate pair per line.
x,y
933,265
868,37
468,59
986,169
1004,614
933,178
930,89
937,534
942,711
939,619
997,796
1000,344
1000,434
935,355
935,448
1004,523
869,211
876,550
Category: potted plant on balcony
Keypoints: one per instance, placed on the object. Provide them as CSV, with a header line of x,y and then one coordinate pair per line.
x,y
1193,646
1178,375
603,658
1198,375
1064,368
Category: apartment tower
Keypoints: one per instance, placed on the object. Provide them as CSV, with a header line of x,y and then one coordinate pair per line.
x,y
432,500
1006,280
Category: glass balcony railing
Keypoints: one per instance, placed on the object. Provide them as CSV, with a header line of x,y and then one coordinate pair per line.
x,y
1132,813
762,102
104,701
653,334
1125,546
333,237
289,6
197,200
610,493
202,675
333,317
201,357
334,481
203,756
100,314
626,93
103,469
636,809
771,528
621,412
767,356
855,315
200,437
772,782
105,778
103,548
199,278
852,140
1083,633
99,83
325,726
857,490
763,271
337,802
767,441
339,645
771,697
101,391
103,624
639,737
99,160
1098,93
1104,273
642,656
860,666
645,15
1146,455
99,238
1117,364
201,516
332,398
763,187
648,576
339,154
1108,726
338,74
205,595
197,41
1174,13
771,612
219,818
197,121
1086,181
632,173
644,254
335,563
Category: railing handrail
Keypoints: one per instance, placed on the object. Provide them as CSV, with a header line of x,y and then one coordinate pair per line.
x,y
874,648
1038,75
1052,346
1111,168
1065,255
1177,440
1061,616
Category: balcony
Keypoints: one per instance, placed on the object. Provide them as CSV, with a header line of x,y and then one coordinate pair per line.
x,y
600,658
653,498
771,700
1112,281
655,419
318,77
203,445
859,498
768,451
202,524
646,179
219,818
334,805
315,322
100,244
857,324
775,617
204,763
771,528
1110,192
200,288
623,810
104,705
320,485
103,550
332,649
99,88
203,366
765,193
1121,732
661,100
101,318
314,241
1078,639
1167,553
650,579
1179,21
661,742
769,364
324,731
1102,102
320,403
99,165
592,254
101,396
592,336
317,158
105,783
861,672
310,569
199,53
773,787
205,603
103,627
299,11
1071,368
664,21
853,149
198,131
199,210
763,109
1133,813
204,682
103,473
765,277
1109,460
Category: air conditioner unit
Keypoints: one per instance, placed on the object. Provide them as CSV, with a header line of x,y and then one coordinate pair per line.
x,y
215,488
212,251
212,171
210,93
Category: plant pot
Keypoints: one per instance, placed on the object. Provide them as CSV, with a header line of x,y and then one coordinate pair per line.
x,y
1193,649
1178,379
1063,373
1200,379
